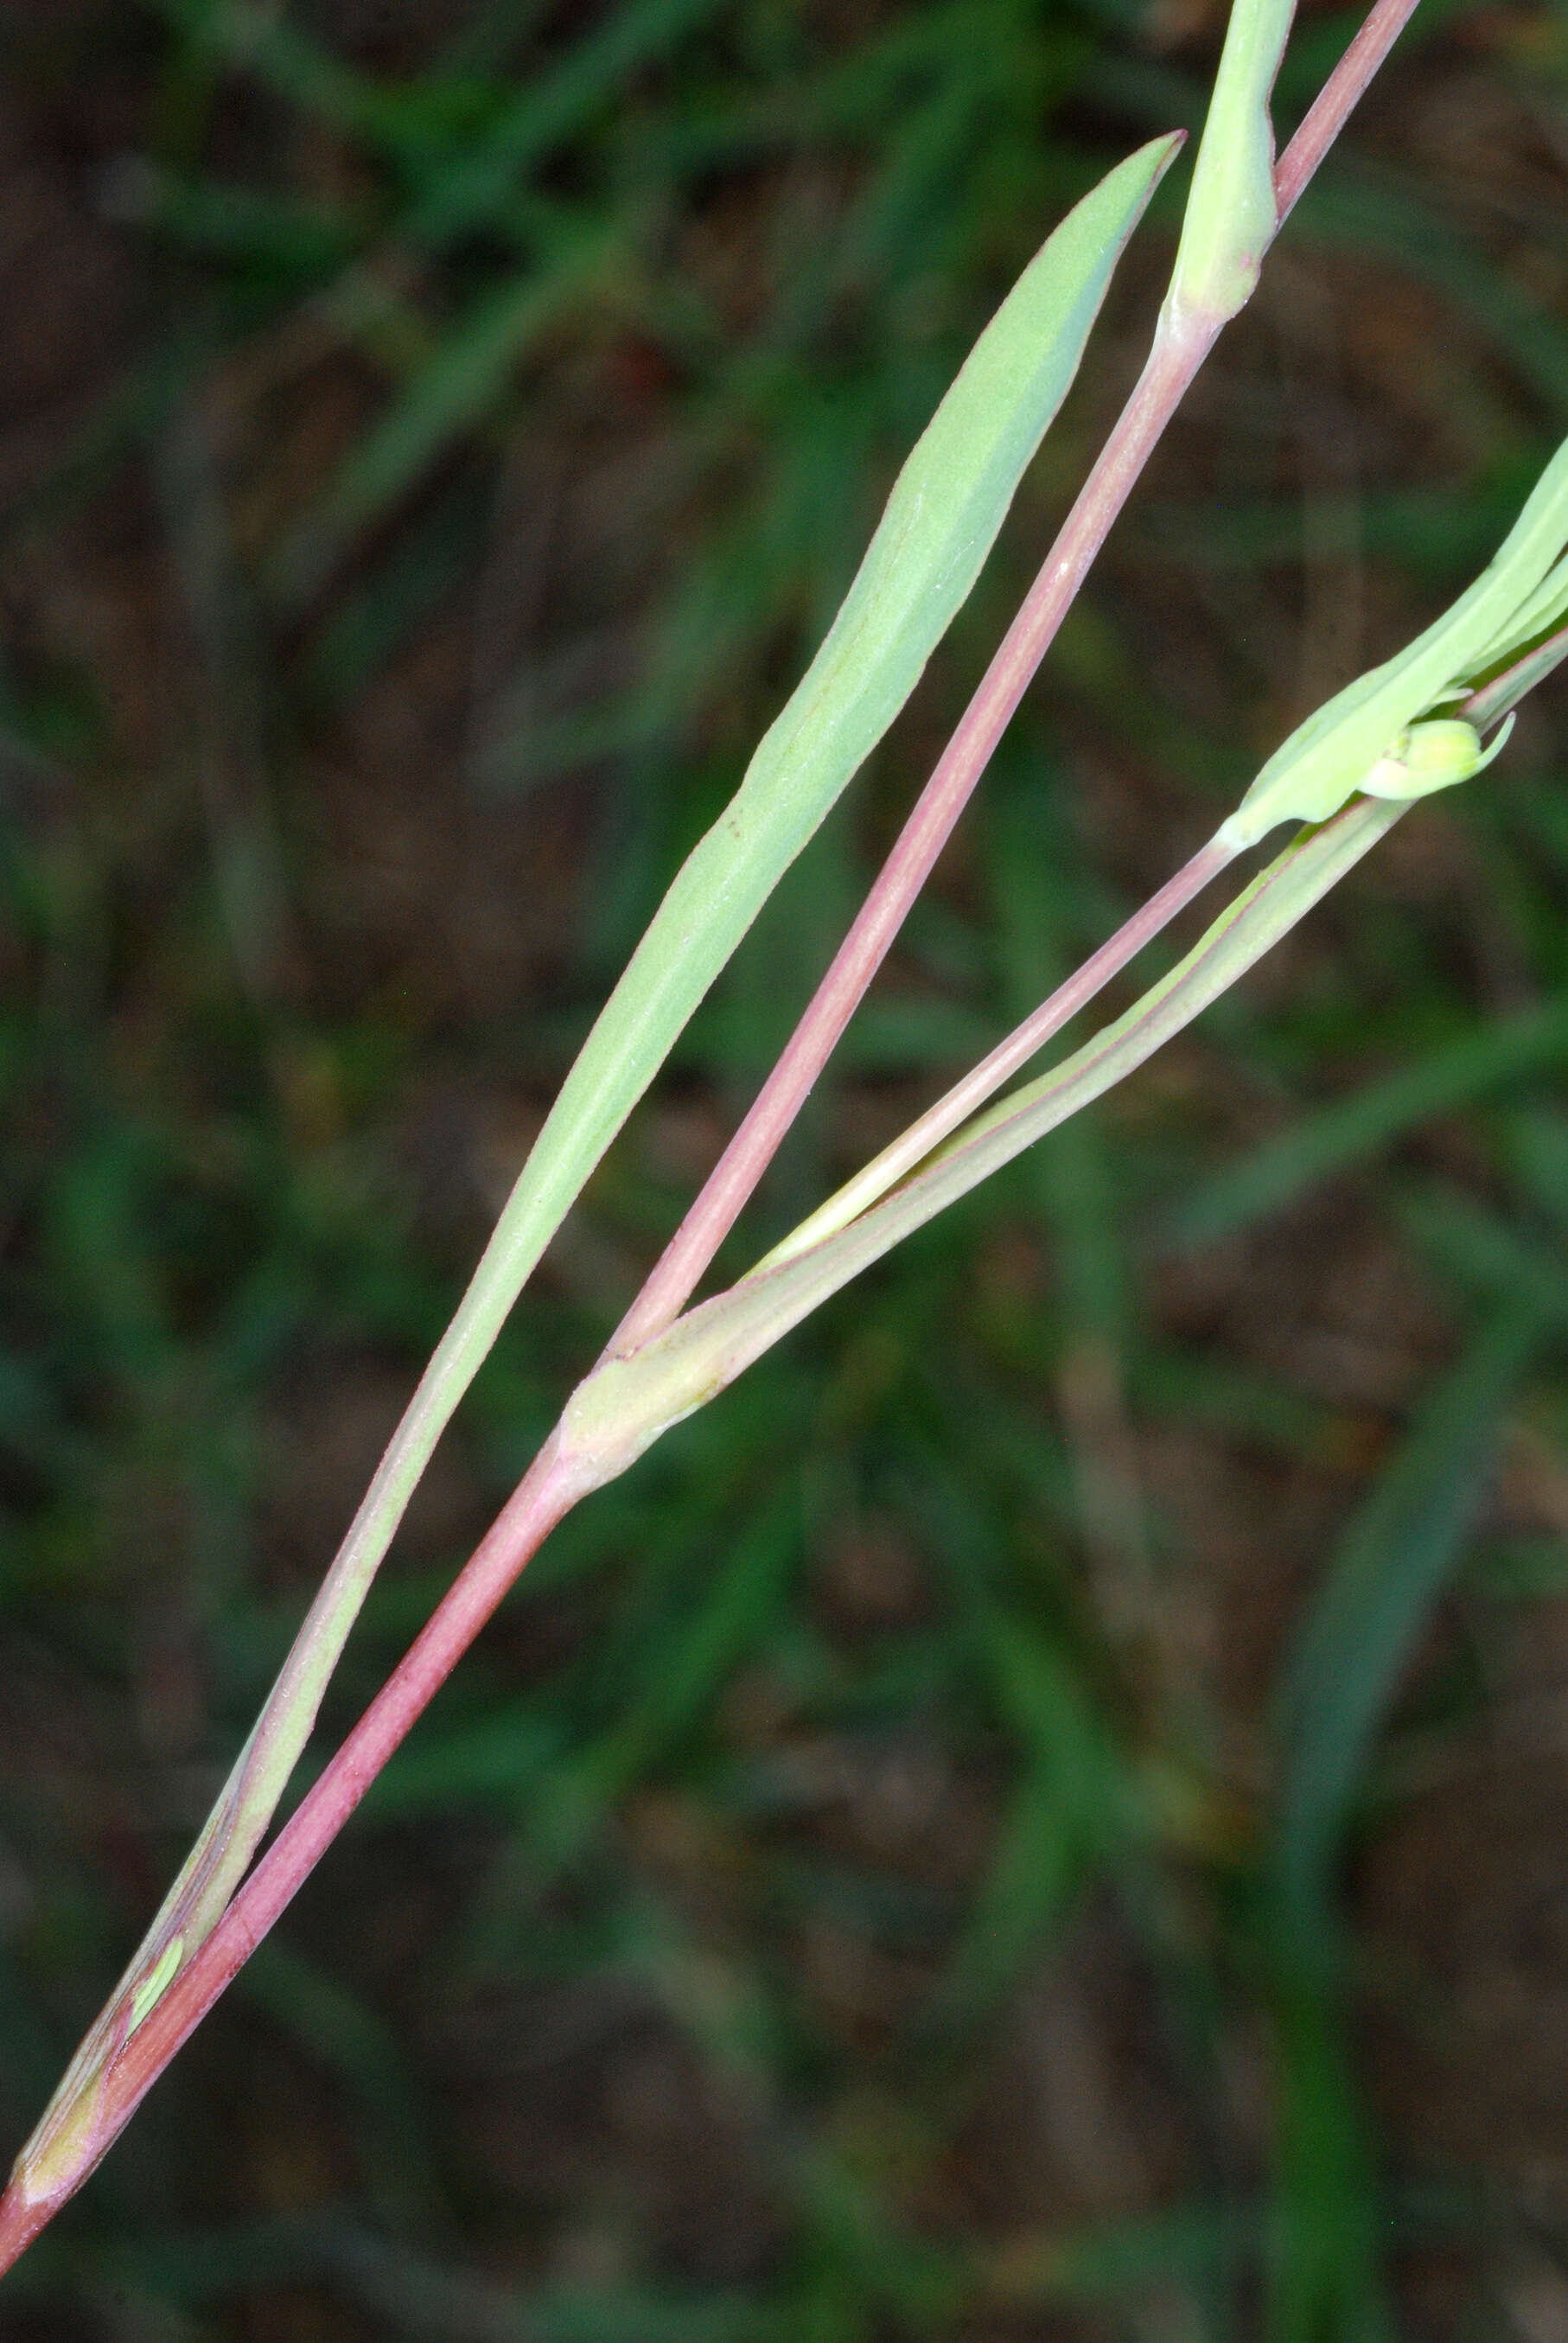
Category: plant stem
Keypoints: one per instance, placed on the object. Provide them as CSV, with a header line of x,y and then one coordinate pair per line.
x,y
1329,110
597,1438
547,1491
84,2122
958,1105
1182,343
627,1403
1179,350
1494,700
946,505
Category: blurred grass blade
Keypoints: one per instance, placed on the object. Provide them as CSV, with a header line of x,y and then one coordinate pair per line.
x,y
457,388
1532,1041
403,2292
550,107
1071,1802
1325,2259
1370,212
261,41
1325,2256
684,1670
341,2033
1324,2246
1189,2244
1392,1567
294,237
1483,1253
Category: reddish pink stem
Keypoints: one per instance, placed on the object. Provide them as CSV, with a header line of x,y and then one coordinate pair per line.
x,y
955,1106
548,1491
1174,360
546,1494
1329,110
1065,1002
1177,355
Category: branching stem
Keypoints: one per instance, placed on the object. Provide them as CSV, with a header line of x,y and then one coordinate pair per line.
x,y
113,2084
1181,345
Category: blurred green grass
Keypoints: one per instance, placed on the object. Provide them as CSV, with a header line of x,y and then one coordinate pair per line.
x,y
976,1837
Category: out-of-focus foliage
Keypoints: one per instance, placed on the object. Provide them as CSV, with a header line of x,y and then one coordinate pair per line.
x,y
1042,1813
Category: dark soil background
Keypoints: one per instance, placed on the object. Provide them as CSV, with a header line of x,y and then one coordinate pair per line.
x,y
1045,1812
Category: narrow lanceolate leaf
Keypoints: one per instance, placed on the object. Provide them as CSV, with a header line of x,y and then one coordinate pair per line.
x,y
941,521
625,1405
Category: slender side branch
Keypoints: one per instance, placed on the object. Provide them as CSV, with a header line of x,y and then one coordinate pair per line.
x,y
913,1145
621,1409
158,2002
1183,342
55,2166
938,524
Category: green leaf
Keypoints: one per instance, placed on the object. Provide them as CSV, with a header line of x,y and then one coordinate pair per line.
x,y
944,513
947,506
1231,215
1313,773
1071,1802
